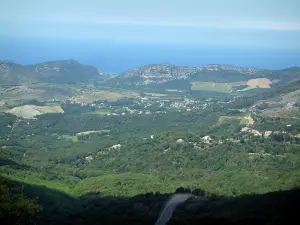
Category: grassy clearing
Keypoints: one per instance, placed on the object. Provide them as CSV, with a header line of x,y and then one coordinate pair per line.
x,y
68,138
74,139
225,119
243,119
101,112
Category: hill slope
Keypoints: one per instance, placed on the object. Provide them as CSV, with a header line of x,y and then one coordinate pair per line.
x,y
15,74
172,76
63,71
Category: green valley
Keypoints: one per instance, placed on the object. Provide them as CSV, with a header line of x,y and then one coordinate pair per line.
x,y
101,149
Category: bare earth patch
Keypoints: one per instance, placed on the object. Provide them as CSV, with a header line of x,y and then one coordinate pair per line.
x,y
30,111
259,82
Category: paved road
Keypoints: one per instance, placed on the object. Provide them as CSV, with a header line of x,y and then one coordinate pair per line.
x,y
170,207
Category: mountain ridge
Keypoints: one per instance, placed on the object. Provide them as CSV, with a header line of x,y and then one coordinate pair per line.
x,y
165,73
60,71
72,71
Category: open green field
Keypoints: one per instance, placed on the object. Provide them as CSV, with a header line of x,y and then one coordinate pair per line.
x,y
243,119
101,112
226,119
216,87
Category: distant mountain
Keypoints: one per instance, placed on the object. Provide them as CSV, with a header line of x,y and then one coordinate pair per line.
x,y
63,71
154,75
166,73
169,70
15,74
162,73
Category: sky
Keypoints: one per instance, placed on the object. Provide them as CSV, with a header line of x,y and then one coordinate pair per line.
x,y
268,24
240,22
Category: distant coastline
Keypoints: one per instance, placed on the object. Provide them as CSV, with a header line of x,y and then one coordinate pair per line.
x,y
119,57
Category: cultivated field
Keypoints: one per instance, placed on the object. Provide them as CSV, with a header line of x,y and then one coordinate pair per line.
x,y
228,87
97,95
216,87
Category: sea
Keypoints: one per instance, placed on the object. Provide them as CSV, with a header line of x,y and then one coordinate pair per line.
x,y
116,56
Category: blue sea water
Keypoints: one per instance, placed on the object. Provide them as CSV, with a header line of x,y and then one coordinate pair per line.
x,y
110,56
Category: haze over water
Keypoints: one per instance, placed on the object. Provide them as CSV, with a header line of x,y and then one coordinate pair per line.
x,y
112,56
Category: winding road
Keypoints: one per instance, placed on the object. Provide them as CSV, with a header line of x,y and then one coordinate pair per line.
x,y
170,206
